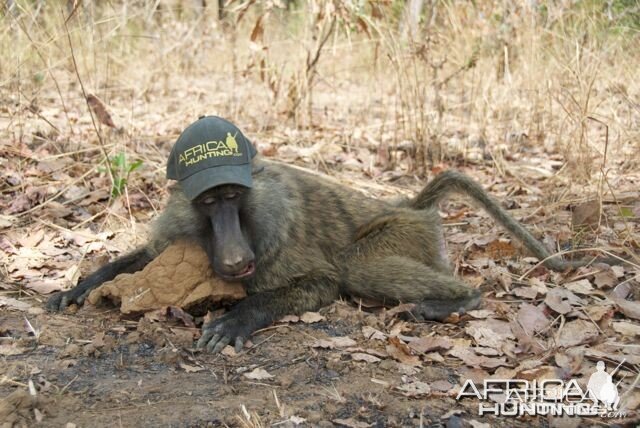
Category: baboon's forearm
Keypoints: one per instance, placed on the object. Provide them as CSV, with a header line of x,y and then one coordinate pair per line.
x,y
129,263
308,293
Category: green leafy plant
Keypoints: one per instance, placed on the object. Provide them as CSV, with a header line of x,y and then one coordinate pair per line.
x,y
120,171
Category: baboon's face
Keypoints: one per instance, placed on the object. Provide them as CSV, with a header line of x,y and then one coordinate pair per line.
x,y
231,254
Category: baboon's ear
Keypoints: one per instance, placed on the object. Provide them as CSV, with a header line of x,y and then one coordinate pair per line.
x,y
257,169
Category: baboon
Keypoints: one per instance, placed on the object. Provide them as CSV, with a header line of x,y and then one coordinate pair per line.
x,y
298,241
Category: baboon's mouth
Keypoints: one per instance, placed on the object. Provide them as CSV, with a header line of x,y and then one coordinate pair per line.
x,y
249,270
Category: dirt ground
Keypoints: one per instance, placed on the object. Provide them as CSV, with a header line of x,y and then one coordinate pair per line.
x,y
542,113
94,369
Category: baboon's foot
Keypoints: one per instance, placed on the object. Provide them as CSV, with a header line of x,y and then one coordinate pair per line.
x,y
440,310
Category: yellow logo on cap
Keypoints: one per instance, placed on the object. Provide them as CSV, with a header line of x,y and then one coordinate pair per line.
x,y
210,149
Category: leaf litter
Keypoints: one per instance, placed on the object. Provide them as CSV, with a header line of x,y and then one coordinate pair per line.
x,y
59,222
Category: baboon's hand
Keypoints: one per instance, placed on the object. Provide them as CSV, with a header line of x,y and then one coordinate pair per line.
x,y
233,327
220,332
61,300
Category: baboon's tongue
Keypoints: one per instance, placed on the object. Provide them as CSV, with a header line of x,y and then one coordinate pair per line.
x,y
247,270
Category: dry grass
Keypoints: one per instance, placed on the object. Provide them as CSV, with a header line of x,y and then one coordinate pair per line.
x,y
480,82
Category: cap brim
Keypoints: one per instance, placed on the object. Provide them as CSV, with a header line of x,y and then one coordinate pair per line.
x,y
206,179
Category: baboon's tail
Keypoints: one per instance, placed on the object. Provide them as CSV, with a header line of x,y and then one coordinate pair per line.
x,y
453,181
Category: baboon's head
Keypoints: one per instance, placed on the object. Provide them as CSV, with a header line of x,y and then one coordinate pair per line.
x,y
231,255
213,162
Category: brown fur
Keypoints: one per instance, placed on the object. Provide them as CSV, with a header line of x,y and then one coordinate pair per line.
x,y
314,239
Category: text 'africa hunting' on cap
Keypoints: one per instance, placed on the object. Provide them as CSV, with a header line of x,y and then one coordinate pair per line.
x,y
210,152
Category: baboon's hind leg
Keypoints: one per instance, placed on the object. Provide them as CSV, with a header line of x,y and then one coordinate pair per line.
x,y
398,279
398,258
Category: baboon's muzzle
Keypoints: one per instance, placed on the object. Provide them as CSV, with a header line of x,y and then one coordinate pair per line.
x,y
233,258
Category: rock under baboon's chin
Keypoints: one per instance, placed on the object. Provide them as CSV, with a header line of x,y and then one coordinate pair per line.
x,y
246,273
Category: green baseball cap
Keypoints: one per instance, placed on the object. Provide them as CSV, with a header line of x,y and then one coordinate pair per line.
x,y
210,152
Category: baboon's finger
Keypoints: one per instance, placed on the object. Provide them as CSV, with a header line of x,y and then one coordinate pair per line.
x,y
80,300
64,302
239,344
224,341
207,335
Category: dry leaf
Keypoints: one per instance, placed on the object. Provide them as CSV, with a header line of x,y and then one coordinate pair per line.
x,y
606,278
618,270
629,308
311,317
582,286
6,221
576,333
490,332
621,291
401,352
10,302
598,312
414,389
170,313
478,424
632,401
472,359
532,318
229,351
433,356
100,110
175,312
258,374
500,249
538,285
525,292
45,286
489,352
586,214
544,372
560,300
360,356
32,240
297,420
452,412
373,334
351,423
604,352
626,328
290,318
480,313
12,349
334,342
191,369
430,343
399,327
258,29
38,415
404,307
441,385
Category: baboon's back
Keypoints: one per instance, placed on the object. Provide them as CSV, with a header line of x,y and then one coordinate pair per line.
x,y
301,220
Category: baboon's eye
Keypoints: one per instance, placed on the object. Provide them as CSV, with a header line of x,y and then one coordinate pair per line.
x,y
231,195
208,200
